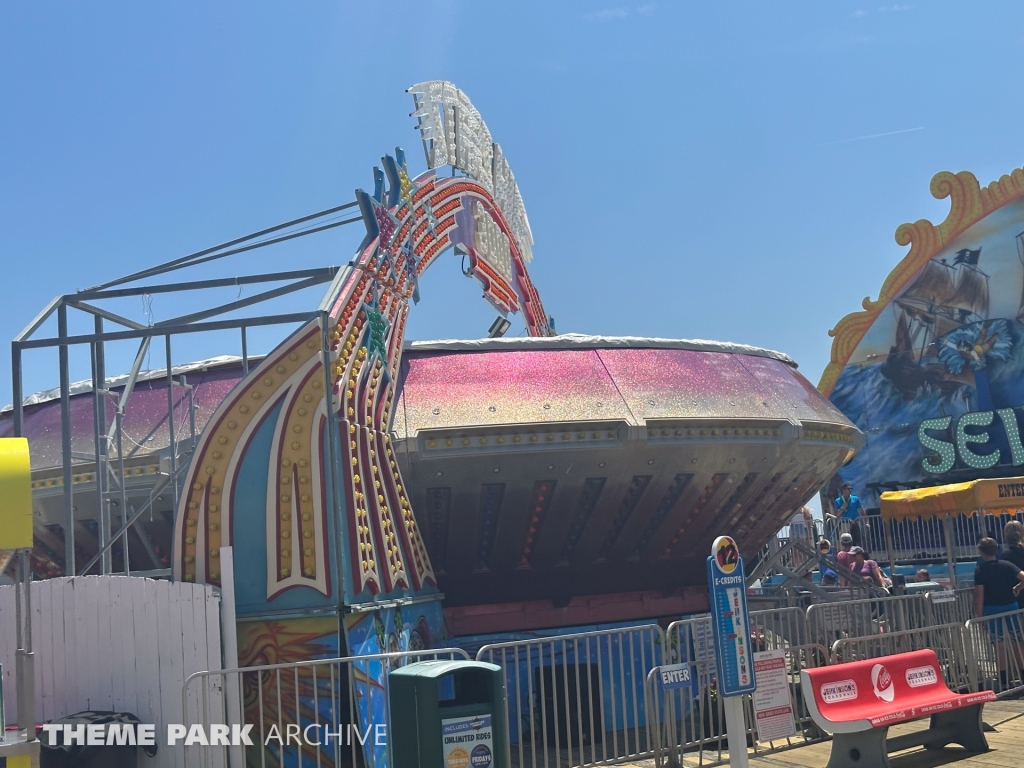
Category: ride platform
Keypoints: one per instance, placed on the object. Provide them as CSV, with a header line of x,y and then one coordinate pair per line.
x,y
1004,730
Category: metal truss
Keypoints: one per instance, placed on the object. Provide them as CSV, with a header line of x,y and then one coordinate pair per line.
x,y
107,442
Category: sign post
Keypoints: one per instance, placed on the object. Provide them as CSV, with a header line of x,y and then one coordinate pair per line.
x,y
731,625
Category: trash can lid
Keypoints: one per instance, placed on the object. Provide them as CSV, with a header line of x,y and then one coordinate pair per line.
x,y
442,667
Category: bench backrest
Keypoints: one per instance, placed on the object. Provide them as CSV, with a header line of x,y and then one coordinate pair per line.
x,y
864,692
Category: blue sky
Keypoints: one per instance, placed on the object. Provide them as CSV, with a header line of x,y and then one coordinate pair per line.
x,y
694,170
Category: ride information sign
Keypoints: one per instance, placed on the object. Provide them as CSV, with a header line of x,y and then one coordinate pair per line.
x,y
729,620
773,706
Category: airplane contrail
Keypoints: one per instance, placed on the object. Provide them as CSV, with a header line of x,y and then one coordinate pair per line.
x,y
872,136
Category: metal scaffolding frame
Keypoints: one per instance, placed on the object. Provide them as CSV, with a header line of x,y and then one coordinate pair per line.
x,y
109,468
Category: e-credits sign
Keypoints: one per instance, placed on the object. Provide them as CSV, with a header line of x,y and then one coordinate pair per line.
x,y
468,742
729,618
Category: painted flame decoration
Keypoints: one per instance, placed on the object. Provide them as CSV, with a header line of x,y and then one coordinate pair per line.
x,y
408,226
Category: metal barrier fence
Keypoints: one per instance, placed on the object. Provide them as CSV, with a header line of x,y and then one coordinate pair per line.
x,y
590,698
777,601
307,697
578,700
958,610
923,539
947,640
691,720
829,622
779,628
997,643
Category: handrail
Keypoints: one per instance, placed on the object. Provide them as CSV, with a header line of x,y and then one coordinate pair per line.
x,y
320,662
575,636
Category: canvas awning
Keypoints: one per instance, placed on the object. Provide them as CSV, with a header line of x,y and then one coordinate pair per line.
x,y
991,497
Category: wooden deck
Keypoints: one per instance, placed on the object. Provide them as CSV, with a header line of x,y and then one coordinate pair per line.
x,y
1005,736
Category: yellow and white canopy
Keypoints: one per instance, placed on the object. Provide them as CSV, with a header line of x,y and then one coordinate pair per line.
x,y
987,497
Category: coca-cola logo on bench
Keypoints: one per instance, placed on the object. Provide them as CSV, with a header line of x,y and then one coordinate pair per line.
x,y
881,683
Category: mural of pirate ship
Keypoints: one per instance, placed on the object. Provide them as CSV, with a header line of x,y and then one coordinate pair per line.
x,y
942,328
944,339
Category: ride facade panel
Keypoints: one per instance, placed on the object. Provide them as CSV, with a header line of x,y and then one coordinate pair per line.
x,y
932,371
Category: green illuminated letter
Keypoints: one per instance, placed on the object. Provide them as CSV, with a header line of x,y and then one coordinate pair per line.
x,y
972,459
1009,419
947,454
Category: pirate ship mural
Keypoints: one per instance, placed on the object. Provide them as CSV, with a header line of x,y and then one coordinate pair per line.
x,y
933,370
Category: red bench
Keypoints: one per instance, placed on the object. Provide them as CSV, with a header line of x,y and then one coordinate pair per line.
x,y
858,701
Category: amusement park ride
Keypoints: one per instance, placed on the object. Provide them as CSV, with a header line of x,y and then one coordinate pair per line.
x,y
381,495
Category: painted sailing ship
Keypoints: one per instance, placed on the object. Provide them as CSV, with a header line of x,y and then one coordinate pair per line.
x,y
942,318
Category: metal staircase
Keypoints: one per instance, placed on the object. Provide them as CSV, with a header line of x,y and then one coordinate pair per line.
x,y
794,560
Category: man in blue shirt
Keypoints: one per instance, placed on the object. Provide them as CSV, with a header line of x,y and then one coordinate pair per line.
x,y
848,508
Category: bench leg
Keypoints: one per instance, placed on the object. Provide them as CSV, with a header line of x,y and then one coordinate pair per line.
x,y
859,750
960,726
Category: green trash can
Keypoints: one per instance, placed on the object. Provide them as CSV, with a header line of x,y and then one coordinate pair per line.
x,y
448,714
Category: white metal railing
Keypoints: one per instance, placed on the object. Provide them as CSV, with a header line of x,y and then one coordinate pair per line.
x,y
997,643
314,695
577,700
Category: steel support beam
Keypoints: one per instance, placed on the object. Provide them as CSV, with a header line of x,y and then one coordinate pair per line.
x,y
219,325
198,256
39,319
100,312
327,273
17,392
102,445
65,440
170,425
232,306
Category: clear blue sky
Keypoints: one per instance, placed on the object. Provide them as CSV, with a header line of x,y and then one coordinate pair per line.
x,y
694,170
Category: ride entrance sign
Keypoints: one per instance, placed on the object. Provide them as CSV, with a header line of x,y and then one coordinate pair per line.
x,y
729,620
730,624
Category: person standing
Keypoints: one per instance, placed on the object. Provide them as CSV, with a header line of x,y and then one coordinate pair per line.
x,y
1013,538
848,512
996,586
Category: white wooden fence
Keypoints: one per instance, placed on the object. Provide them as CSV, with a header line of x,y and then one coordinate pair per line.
x,y
117,643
